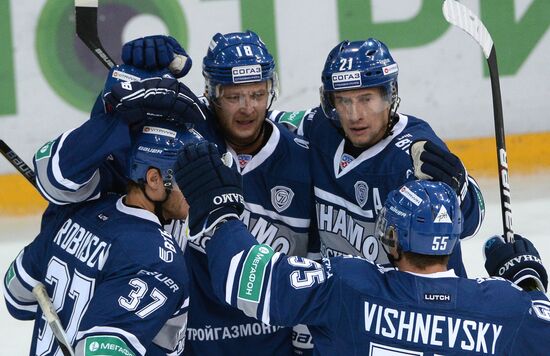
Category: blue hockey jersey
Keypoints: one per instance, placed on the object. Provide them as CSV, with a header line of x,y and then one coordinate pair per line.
x,y
364,309
278,195
88,161
115,277
349,192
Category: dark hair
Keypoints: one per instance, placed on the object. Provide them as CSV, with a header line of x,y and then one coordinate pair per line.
x,y
425,261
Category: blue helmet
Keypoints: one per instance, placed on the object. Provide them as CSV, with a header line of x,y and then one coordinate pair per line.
x,y
356,65
236,58
156,145
424,217
128,73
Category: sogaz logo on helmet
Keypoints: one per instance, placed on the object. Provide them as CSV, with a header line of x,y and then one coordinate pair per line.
x,y
159,131
350,79
245,74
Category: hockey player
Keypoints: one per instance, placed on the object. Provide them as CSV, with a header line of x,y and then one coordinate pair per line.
x,y
360,149
90,160
421,308
240,86
117,279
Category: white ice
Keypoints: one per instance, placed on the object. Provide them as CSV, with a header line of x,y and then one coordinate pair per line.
x,y
531,218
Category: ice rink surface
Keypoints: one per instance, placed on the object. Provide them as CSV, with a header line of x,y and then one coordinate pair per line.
x,y
531,218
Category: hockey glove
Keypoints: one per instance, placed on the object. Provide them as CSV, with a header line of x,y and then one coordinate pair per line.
x,y
212,189
518,262
433,163
154,97
157,52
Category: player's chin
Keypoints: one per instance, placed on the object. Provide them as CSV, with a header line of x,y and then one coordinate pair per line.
x,y
360,140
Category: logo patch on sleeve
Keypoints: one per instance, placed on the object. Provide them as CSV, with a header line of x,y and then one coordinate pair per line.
x,y
44,151
10,274
292,118
253,273
107,346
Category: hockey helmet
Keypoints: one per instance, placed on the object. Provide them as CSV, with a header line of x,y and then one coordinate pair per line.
x,y
237,58
156,145
423,216
356,65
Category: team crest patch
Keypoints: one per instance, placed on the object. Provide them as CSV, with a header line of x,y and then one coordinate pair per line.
x,y
345,160
361,193
281,197
243,160
542,309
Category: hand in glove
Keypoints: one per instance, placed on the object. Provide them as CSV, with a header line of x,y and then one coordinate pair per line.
x,y
434,163
157,52
154,97
212,189
518,262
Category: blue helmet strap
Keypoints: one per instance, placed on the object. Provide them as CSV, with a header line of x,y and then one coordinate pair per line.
x,y
393,115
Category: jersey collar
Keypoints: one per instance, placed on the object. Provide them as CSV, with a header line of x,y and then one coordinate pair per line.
x,y
447,274
140,213
370,152
265,152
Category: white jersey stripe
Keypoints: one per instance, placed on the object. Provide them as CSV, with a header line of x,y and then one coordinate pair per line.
x,y
293,222
354,208
16,305
22,273
56,170
231,276
267,299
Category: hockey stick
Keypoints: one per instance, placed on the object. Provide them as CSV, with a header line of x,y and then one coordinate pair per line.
x,y
86,29
52,318
459,15
18,163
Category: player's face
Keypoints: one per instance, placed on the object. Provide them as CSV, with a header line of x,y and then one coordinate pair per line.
x,y
364,115
241,111
175,207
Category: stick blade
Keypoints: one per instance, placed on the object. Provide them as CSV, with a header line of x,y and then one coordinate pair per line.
x,y
460,16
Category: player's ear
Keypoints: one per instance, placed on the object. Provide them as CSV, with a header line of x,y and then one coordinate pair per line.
x,y
154,179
